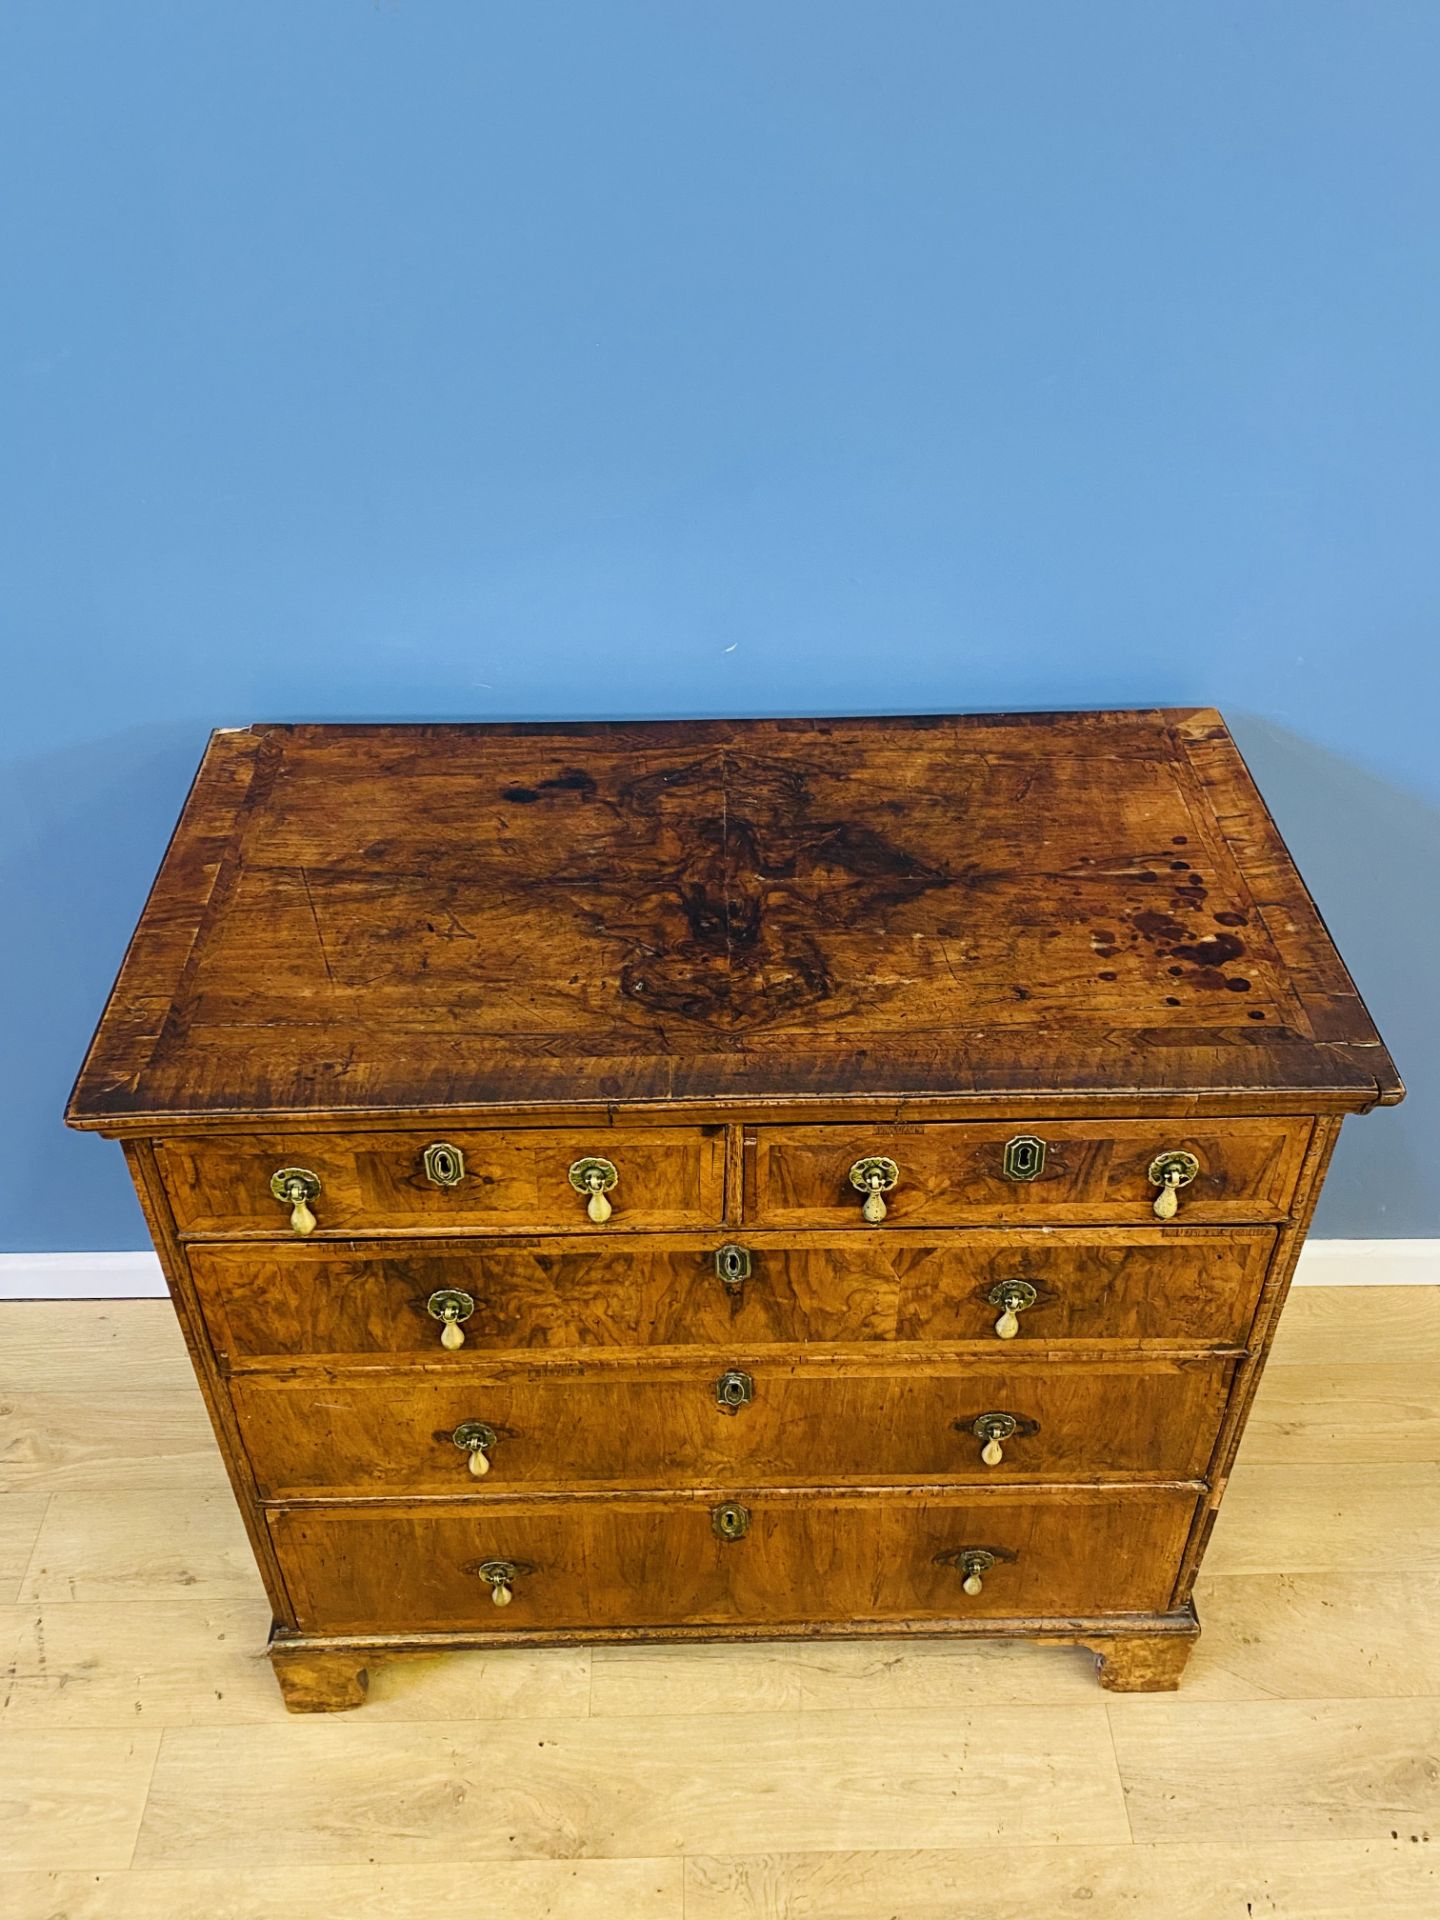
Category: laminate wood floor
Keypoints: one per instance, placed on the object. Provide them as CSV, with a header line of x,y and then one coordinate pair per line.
x,y
149,1772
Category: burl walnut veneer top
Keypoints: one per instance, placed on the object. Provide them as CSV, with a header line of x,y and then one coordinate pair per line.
x,y
397,919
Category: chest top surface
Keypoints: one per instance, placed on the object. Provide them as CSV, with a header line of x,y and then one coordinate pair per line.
x,y
395,919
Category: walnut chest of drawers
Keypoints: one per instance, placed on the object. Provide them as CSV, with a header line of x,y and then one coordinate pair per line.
x,y
729,1179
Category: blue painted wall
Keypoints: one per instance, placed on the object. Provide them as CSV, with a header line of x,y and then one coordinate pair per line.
x,y
432,358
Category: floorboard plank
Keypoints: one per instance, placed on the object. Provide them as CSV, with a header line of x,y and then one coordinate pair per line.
x,y
1393,1880
20,1518
351,1791
72,1799
138,1442
141,1546
1301,1519
1367,1770
1322,1413
521,1890
99,1347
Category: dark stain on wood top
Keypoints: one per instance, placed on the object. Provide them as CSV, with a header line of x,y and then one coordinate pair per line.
x,y
375,920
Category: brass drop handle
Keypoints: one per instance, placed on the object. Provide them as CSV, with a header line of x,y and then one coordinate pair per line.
x,y
476,1439
1012,1297
994,1429
974,1563
297,1187
450,1306
1169,1172
499,1576
595,1178
874,1176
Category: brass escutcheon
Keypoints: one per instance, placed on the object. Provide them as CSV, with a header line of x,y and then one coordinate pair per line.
x,y
734,1390
595,1178
1170,1171
732,1266
1024,1157
730,1520
1012,1297
874,1176
444,1164
297,1187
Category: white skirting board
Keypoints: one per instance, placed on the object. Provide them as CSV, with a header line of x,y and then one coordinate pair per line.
x,y
136,1276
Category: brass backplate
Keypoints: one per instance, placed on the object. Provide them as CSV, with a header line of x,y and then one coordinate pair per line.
x,y
1015,1295
449,1303
1175,1169
293,1183
593,1175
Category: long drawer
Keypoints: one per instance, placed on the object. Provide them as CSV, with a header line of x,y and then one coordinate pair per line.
x,y
1165,1286
761,1418
1074,1171
502,1179
811,1558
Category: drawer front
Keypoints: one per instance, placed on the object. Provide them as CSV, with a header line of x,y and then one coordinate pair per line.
x,y
1168,1286
516,1178
602,1564
1072,1170
757,1419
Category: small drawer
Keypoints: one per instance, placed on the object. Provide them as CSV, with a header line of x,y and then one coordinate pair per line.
x,y
438,1181
1170,1287
1076,1171
758,1419
748,1558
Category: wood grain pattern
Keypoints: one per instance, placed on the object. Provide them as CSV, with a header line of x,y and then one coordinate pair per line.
x,y
809,1557
1371,1633
557,1889
113,1545
1094,902
1312,1519
670,1177
179,1663
20,1517
1335,1326
73,1799
106,1349
811,1421
50,1441
851,1816
1223,1879
1311,1770
1167,1287
1312,1414
1096,1171
732,958
323,1789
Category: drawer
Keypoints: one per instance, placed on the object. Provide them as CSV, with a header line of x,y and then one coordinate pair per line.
x,y
515,1178
1165,1286
1064,1170
760,1419
802,1558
